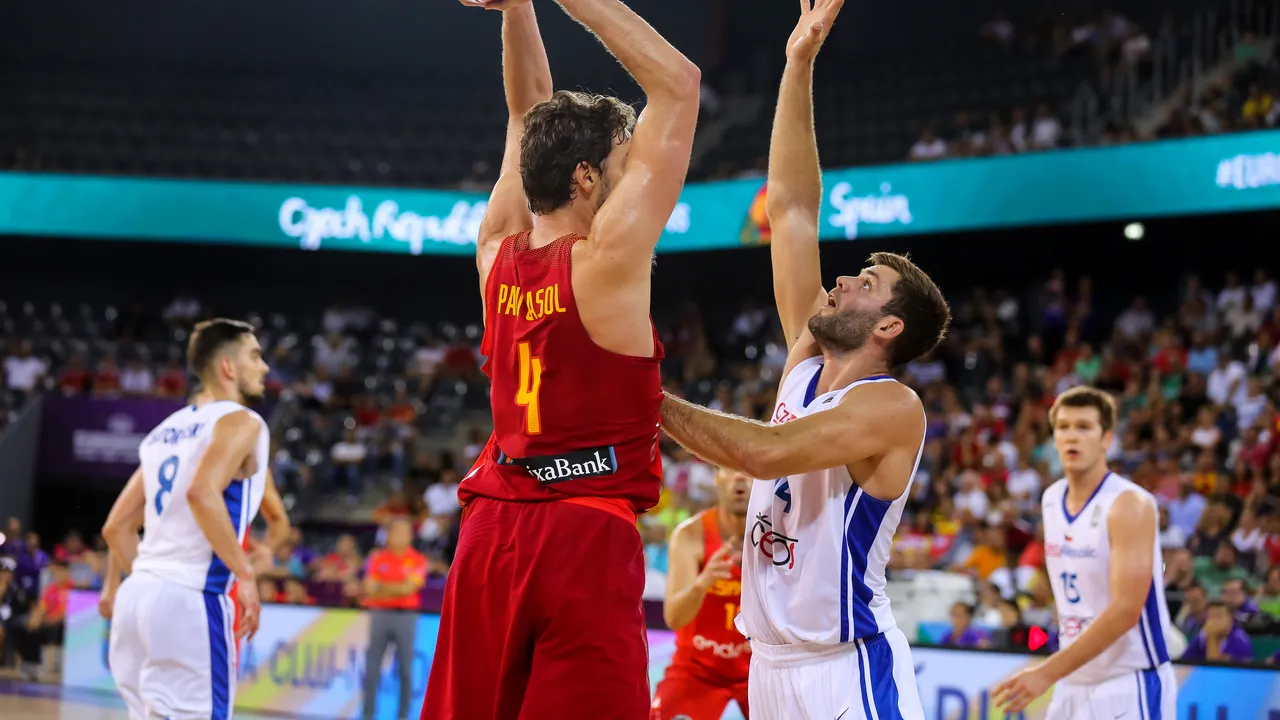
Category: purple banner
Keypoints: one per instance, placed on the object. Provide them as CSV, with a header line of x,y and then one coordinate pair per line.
x,y
97,436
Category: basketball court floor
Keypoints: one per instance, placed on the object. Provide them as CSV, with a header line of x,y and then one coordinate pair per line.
x,y
28,701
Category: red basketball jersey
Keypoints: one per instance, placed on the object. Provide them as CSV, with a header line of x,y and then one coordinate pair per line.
x,y
711,645
571,419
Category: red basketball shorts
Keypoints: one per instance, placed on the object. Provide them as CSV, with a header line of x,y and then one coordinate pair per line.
x,y
682,695
542,616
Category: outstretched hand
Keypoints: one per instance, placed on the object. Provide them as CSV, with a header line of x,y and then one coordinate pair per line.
x,y
816,18
494,4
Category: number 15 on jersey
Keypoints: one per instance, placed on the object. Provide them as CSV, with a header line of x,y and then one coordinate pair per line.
x,y
529,388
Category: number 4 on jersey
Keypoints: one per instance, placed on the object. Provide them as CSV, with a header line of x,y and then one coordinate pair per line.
x,y
527,392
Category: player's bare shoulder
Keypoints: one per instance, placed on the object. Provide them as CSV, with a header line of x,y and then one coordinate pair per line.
x,y
1132,507
895,408
687,537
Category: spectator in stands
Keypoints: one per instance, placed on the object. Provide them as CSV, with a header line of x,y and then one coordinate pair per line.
x,y
928,147
1221,639
23,371
268,590
106,379
182,311
1236,596
1195,608
1213,573
1186,510
44,626
962,633
394,577
73,379
172,383
1037,605
441,500
137,379
348,456
987,611
343,563
1046,131
295,593
1268,599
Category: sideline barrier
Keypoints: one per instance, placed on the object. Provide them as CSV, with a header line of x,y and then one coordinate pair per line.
x,y
310,661
1220,174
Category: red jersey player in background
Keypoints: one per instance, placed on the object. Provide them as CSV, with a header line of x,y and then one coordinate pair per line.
x,y
704,589
542,614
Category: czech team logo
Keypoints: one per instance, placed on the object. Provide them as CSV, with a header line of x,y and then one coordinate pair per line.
x,y
779,548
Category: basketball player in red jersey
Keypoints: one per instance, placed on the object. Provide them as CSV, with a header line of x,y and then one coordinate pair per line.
x,y
704,590
278,528
542,615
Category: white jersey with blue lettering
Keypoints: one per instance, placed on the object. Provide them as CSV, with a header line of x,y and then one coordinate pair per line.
x,y
1078,557
814,556
173,546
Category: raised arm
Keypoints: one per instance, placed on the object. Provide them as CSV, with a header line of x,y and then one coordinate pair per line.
x,y
1131,525
869,420
628,225
526,75
794,196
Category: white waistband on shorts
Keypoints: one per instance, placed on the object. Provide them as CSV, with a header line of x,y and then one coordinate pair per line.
x,y
799,653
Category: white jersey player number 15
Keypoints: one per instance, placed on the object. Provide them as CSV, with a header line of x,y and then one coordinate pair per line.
x,y
1102,554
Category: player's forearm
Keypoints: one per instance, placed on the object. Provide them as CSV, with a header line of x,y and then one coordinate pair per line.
x,y
1101,634
660,69
277,533
210,513
725,440
795,178
526,73
682,607
122,545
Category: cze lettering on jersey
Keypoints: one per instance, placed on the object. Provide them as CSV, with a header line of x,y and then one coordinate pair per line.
x,y
1056,550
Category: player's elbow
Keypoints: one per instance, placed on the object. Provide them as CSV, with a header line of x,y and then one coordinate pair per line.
x,y
199,493
672,619
766,461
682,84
1130,613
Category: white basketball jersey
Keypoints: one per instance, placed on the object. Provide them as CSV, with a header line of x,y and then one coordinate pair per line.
x,y
816,545
173,546
1078,557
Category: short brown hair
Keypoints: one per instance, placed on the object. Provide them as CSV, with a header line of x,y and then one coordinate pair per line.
x,y
918,301
1083,396
561,133
209,338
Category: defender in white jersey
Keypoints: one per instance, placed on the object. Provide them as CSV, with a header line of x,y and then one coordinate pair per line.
x,y
837,461
1102,553
197,490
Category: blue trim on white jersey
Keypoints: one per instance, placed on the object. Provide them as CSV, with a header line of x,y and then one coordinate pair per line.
x,y
884,689
864,515
218,579
863,671
1154,694
220,679
1067,513
1158,653
811,390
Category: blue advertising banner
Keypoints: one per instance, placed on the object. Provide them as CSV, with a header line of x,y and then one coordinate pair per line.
x,y
310,661
1219,174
